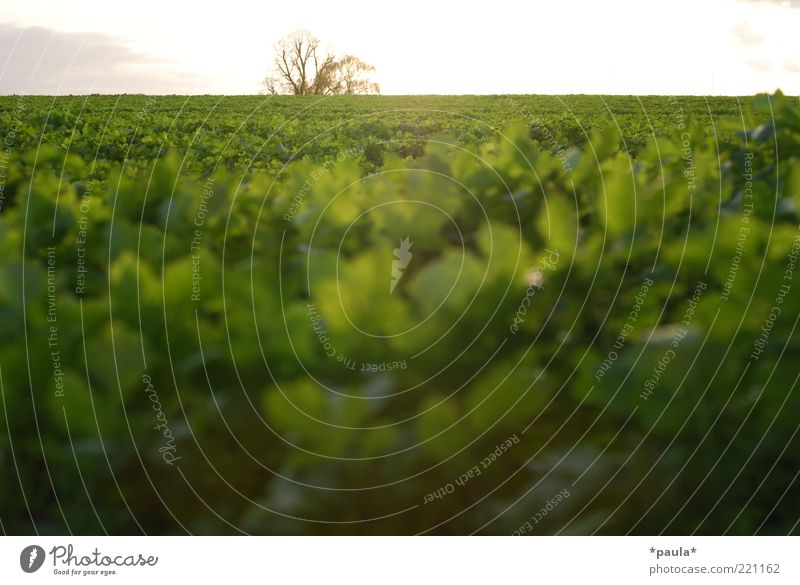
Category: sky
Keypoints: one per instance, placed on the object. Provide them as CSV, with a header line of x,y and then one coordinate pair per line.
x,y
699,47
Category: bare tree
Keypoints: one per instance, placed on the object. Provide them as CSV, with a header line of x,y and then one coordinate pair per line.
x,y
303,67
352,76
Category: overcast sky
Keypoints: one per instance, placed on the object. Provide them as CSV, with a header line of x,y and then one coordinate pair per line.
x,y
418,46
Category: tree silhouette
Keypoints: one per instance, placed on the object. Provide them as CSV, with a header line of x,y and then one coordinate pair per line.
x,y
303,67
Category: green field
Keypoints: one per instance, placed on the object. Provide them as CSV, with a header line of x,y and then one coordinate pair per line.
x,y
423,314
243,132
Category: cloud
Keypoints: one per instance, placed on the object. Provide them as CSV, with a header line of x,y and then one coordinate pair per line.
x,y
788,3
40,60
747,36
764,66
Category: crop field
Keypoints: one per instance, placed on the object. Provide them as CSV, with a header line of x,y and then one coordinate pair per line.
x,y
423,314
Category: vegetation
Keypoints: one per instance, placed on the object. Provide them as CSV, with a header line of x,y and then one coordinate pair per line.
x,y
359,315
303,67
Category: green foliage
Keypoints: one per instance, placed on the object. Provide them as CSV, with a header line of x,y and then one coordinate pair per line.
x,y
212,293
